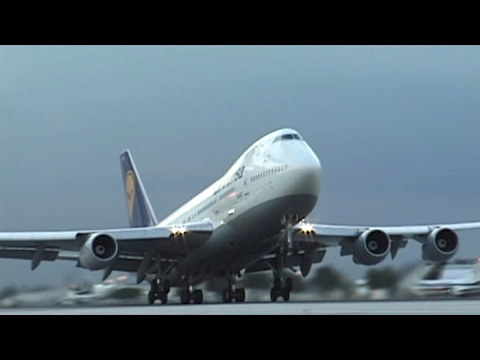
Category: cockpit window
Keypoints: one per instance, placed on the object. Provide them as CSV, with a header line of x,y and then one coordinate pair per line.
x,y
287,137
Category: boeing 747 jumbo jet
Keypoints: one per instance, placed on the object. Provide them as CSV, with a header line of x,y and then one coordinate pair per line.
x,y
251,219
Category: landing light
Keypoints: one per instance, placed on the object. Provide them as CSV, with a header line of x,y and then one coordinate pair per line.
x,y
306,228
178,230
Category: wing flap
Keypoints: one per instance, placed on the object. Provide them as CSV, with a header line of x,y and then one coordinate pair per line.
x,y
65,240
27,254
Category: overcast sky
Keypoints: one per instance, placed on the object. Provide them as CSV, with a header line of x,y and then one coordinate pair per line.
x,y
397,129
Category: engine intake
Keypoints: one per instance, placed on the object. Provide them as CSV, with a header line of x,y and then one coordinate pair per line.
x,y
98,252
371,247
440,245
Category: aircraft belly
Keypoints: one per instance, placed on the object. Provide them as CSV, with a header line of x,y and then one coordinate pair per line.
x,y
244,239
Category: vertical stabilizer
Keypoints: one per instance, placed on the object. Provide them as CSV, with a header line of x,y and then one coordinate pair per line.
x,y
140,212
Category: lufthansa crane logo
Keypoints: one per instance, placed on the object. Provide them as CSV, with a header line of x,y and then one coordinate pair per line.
x,y
130,190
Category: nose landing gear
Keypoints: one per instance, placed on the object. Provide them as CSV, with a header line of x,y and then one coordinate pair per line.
x,y
283,288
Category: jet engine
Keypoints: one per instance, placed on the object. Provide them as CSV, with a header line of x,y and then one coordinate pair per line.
x,y
441,244
371,247
98,252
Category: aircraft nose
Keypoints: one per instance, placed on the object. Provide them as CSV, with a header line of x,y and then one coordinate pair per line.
x,y
305,172
307,177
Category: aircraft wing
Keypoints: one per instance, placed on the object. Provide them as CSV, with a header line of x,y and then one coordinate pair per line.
x,y
368,245
127,249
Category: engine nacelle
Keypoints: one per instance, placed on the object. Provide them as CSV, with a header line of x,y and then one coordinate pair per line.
x,y
371,247
440,245
98,252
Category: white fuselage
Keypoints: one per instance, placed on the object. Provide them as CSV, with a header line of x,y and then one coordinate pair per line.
x,y
276,178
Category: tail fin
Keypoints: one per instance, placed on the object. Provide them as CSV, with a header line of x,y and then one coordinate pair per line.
x,y
140,212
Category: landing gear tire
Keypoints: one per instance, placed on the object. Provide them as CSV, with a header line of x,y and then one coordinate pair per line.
x,y
151,297
281,291
227,295
274,294
289,284
185,296
197,296
286,295
166,286
163,297
239,295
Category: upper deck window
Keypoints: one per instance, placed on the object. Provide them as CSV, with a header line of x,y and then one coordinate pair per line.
x,y
287,137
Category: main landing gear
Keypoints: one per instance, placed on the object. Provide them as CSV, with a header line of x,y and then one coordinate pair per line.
x,y
230,294
158,290
187,296
281,289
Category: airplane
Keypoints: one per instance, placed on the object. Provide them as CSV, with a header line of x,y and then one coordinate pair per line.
x,y
253,218
109,291
458,278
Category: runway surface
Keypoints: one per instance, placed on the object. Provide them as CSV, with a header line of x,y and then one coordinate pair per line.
x,y
439,307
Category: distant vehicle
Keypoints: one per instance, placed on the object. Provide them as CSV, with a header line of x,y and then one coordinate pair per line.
x,y
456,278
